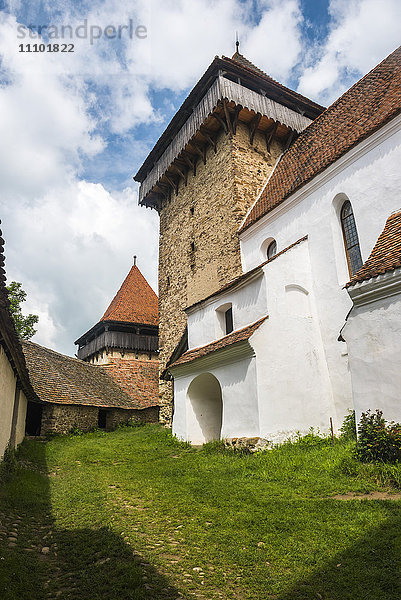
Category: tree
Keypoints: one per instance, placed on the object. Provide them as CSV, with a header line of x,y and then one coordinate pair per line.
x,y
23,324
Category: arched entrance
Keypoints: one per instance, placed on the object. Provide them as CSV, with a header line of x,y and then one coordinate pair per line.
x,y
205,399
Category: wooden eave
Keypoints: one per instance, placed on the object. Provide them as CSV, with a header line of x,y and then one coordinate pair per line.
x,y
233,71
101,326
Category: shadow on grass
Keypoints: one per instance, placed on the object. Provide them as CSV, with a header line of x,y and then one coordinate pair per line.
x,y
44,562
366,570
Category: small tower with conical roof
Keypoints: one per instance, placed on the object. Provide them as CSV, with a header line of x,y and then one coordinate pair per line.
x,y
128,330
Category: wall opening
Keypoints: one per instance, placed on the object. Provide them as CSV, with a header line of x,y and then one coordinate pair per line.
x,y
225,320
268,249
204,394
33,422
102,418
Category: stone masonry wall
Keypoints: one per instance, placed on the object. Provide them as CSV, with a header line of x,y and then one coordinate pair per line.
x,y
62,418
206,212
118,416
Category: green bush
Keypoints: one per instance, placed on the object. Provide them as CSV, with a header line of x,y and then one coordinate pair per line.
x,y
348,428
377,439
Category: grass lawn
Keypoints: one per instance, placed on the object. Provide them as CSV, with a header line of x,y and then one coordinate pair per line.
x,y
133,514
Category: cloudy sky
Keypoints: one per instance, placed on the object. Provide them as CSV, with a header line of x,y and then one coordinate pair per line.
x,y
76,126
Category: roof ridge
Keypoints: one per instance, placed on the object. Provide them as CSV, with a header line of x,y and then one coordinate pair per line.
x,y
51,351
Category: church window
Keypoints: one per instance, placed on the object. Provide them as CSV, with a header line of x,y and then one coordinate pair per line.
x,y
228,315
192,246
351,240
225,322
271,249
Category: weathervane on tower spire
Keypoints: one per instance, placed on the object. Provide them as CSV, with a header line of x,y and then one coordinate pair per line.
x,y
236,42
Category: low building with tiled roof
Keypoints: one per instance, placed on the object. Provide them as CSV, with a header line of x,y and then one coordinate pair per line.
x,y
373,327
73,393
269,205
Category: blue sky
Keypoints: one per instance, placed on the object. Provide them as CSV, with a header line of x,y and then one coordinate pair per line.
x,y
79,125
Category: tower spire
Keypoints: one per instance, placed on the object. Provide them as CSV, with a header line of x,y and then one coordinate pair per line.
x,y
236,42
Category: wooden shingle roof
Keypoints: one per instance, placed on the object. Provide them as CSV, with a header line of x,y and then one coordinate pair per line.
x,y
135,301
364,108
386,255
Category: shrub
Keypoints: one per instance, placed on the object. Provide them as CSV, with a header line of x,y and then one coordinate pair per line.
x,y
348,428
377,439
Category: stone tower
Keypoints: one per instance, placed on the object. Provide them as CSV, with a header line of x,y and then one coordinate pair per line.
x,y
204,174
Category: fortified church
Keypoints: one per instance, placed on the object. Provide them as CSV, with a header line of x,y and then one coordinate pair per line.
x,y
280,254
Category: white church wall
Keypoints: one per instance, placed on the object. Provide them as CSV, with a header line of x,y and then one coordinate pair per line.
x,y
373,336
248,305
238,385
370,177
294,387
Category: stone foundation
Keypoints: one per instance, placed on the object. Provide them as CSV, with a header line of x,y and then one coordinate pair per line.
x,y
245,444
57,418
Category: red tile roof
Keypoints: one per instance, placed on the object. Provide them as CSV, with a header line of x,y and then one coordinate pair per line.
x,y
386,255
249,66
60,379
232,338
135,301
139,379
363,109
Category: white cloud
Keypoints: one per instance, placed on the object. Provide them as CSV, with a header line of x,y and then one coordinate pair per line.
x,y
72,250
363,32
275,43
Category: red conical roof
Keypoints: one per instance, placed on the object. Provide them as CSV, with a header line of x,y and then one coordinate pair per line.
x,y
135,301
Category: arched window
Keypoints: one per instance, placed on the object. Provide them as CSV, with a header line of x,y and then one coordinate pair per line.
x,y
351,240
271,249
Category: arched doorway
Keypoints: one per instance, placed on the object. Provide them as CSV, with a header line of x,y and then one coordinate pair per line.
x,y
205,399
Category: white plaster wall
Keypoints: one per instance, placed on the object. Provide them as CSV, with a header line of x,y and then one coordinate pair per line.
x,y
239,397
373,336
248,305
7,392
370,176
22,406
294,387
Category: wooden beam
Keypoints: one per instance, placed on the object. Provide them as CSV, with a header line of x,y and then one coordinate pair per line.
x,y
237,111
269,134
208,135
190,159
228,117
200,150
290,137
253,125
220,121
183,174
174,184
